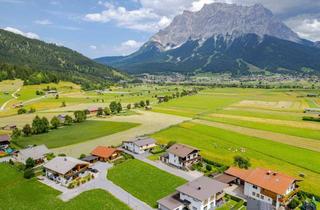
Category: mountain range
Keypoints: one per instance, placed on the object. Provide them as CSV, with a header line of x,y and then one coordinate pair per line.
x,y
223,38
35,62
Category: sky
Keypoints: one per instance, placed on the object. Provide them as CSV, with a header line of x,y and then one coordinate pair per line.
x,y
98,28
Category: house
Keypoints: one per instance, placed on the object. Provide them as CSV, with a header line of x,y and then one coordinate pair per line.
x,y
9,127
61,118
37,153
139,145
64,170
312,95
203,193
4,141
52,92
266,185
105,153
181,156
312,110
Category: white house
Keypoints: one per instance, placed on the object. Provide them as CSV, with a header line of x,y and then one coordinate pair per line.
x,y
65,169
181,156
37,153
266,185
139,145
201,194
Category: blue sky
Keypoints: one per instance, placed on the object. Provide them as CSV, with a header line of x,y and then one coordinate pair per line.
x,y
118,27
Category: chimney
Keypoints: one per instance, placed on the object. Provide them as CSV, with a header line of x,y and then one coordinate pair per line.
x,y
199,188
268,172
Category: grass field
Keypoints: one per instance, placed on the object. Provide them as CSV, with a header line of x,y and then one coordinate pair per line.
x,y
144,181
222,145
18,193
75,133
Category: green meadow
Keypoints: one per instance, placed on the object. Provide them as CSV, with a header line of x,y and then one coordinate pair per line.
x,y
222,145
144,181
18,193
75,133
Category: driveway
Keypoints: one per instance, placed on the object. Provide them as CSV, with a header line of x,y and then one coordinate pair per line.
x,y
100,182
187,175
5,159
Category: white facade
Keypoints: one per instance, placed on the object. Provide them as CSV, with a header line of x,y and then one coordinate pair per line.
x,y
62,179
254,191
131,146
196,204
178,162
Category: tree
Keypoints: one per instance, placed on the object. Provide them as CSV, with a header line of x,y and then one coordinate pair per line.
x,y
107,111
27,130
100,111
30,163
241,162
55,122
208,167
128,106
40,125
113,106
82,156
147,102
16,133
63,104
57,96
28,173
80,116
68,120
32,110
136,105
294,203
22,111
119,107
142,104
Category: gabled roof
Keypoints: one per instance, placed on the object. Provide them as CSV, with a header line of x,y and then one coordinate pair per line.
x,y
202,188
142,141
269,180
62,165
4,137
181,150
35,153
104,152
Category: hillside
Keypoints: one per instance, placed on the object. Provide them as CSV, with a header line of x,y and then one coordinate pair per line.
x,y
35,62
223,38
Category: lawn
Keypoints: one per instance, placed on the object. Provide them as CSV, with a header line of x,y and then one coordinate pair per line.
x,y
75,133
222,145
18,193
144,181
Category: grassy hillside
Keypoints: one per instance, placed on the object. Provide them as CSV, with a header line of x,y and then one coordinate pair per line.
x,y
35,62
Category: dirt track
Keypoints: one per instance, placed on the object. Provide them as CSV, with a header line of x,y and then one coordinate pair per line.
x,y
305,143
150,123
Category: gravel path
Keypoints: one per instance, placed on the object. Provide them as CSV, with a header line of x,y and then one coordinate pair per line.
x,y
150,122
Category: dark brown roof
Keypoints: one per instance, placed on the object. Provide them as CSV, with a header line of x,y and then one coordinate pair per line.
x,y
225,178
181,150
202,188
4,137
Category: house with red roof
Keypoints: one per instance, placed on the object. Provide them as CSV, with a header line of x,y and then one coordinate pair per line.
x,y
105,153
265,185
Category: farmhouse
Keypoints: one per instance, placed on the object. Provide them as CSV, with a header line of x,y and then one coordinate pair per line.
x,y
139,145
105,153
37,153
4,141
265,185
9,127
65,169
312,110
181,156
202,193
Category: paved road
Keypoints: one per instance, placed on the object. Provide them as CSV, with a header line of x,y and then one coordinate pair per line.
x,y
187,175
150,122
100,182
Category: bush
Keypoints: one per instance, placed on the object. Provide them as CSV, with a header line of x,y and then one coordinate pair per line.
x,y
62,155
208,167
22,111
82,156
307,118
32,110
30,163
241,162
170,143
294,203
28,173
55,122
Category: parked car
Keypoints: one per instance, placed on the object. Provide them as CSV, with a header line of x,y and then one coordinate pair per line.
x,y
93,170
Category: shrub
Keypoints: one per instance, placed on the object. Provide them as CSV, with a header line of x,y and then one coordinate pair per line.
x,y
241,162
82,156
55,122
62,155
22,111
30,163
294,203
308,118
32,110
28,173
208,167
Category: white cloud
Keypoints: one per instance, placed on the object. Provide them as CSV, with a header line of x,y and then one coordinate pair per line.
x,y
93,47
43,22
26,34
307,27
128,47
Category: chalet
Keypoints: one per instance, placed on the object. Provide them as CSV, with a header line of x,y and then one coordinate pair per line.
x,y
139,145
265,185
181,156
52,92
312,110
37,153
105,153
199,194
312,95
64,170
4,141
9,127
161,99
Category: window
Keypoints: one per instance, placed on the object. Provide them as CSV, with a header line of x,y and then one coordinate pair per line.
x,y
262,197
254,187
253,193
